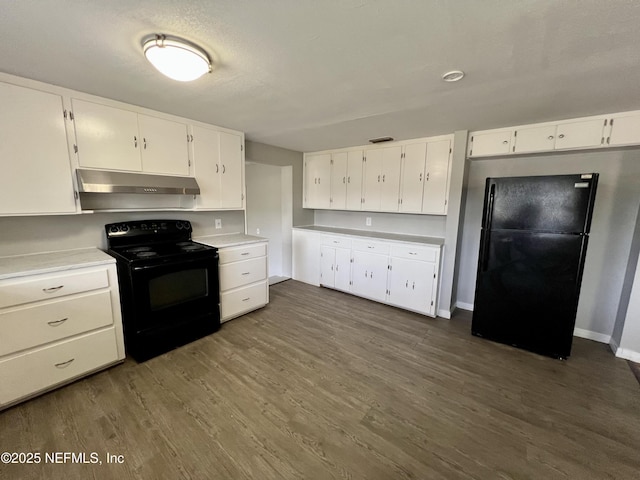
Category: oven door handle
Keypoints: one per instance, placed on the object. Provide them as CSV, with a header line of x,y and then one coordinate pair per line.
x,y
185,265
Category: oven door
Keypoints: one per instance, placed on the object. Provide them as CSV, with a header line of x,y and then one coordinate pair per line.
x,y
170,294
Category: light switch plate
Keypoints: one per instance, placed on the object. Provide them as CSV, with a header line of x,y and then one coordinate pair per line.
x,y
218,223
368,221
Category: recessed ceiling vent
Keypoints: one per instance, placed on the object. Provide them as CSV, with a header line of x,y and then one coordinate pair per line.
x,y
381,140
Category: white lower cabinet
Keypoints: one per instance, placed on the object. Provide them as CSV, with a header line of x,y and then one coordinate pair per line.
x,y
402,274
244,279
305,263
57,327
335,266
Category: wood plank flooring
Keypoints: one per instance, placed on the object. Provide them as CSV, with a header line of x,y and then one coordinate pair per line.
x,y
323,385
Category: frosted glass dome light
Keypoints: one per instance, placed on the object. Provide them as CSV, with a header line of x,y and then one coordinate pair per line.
x,y
176,58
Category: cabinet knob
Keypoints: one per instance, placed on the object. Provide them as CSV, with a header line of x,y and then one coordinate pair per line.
x,y
561,135
420,177
550,137
378,178
144,142
505,142
344,179
135,142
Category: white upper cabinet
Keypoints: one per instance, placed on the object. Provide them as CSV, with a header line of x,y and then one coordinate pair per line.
x,y
437,174
535,139
490,143
355,167
164,146
218,167
413,177
582,134
382,179
117,139
625,130
35,158
106,137
600,131
317,183
390,186
339,164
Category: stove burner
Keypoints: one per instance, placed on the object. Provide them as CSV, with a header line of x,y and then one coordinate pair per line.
x,y
138,249
189,248
146,254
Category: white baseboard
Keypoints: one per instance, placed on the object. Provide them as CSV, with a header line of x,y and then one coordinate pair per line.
x,y
444,314
628,354
465,306
589,335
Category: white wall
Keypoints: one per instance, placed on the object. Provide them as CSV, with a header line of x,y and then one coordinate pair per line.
x,y
20,235
612,227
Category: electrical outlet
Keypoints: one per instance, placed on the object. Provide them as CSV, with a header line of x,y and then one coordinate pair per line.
x,y
257,231
368,221
218,223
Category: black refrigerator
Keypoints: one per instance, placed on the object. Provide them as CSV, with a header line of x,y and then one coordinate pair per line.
x,y
533,245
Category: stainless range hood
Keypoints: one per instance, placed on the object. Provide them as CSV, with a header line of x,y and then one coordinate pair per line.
x,y
102,181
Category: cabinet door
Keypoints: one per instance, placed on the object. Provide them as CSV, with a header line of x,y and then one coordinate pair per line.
x,y
537,139
413,177
206,159
390,182
437,177
372,180
35,158
231,168
587,133
106,137
625,130
306,256
327,266
411,285
354,180
491,143
342,271
369,275
164,147
318,181
339,180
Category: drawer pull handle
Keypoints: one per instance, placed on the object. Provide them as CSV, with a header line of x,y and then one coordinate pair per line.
x,y
246,273
369,246
52,289
413,253
64,364
55,323
245,253
245,299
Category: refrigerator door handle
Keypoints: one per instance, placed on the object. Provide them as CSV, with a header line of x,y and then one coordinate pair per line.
x,y
489,217
485,249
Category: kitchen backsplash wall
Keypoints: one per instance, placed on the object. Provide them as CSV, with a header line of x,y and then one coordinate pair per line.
x,y
425,225
20,235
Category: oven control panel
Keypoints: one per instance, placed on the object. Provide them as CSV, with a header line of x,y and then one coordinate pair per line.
x,y
147,227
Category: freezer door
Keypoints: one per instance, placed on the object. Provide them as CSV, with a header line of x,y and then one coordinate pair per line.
x,y
527,289
560,203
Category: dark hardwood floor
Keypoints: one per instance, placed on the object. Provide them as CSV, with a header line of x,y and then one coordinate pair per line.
x,y
320,385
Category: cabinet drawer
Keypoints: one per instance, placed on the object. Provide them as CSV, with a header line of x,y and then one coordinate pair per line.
x,y
245,252
415,252
30,326
236,274
243,300
37,370
331,241
371,247
44,287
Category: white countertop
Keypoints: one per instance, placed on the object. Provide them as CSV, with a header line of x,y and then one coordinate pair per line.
x,y
438,241
229,240
35,263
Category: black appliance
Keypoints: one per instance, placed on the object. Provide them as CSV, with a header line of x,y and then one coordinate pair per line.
x,y
168,285
532,251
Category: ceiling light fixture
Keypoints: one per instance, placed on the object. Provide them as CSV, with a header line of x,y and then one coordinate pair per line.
x,y
176,58
453,76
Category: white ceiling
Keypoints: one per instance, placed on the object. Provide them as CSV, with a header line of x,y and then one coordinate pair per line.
x,y
311,74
